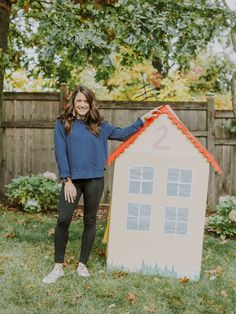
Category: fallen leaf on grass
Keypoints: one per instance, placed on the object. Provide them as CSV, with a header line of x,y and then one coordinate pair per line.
x,y
51,232
218,271
101,252
131,297
205,257
99,217
111,306
184,279
59,289
86,287
109,294
70,260
149,309
9,235
120,274
76,297
224,293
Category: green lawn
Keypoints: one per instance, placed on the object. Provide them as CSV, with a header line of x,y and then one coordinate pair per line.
x,y
26,256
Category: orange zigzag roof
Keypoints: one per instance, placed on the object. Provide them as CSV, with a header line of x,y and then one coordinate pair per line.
x,y
166,109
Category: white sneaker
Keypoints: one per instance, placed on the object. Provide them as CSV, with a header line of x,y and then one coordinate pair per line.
x,y
53,276
82,270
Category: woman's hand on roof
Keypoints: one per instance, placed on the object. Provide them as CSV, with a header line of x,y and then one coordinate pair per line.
x,y
151,113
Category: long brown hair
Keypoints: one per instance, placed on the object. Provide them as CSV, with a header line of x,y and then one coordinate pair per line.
x,y
92,119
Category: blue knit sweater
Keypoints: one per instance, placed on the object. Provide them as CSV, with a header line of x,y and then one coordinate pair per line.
x,y
83,155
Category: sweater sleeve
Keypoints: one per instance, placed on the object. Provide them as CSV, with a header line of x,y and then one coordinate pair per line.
x,y
61,150
122,134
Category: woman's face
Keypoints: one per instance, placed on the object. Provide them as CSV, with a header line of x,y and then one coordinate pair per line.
x,y
81,105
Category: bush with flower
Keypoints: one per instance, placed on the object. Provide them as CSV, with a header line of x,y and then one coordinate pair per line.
x,y
34,193
223,222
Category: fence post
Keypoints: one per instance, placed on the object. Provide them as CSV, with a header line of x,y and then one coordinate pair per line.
x,y
63,94
211,148
2,148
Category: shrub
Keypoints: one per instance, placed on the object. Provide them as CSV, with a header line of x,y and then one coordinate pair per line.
x,y
223,222
34,193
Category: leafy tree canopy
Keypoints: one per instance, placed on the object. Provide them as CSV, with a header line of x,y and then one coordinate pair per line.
x,y
67,35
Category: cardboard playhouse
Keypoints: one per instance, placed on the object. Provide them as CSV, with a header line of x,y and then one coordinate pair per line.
x,y
157,214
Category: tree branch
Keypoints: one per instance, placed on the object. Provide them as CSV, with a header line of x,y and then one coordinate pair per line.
x,y
5,7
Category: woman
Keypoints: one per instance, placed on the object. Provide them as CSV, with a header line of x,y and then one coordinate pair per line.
x,y
81,137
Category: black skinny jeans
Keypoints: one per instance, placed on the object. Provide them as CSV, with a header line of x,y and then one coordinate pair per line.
x,y
92,191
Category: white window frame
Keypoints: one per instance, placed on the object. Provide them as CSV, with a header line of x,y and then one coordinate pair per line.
x,y
138,217
179,182
141,180
176,221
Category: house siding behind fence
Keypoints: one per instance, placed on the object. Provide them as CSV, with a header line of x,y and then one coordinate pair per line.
x,y
27,136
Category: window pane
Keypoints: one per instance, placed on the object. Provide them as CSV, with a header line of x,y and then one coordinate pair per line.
x,y
134,187
173,175
145,210
172,189
181,228
186,176
147,187
170,227
170,213
135,173
133,209
182,214
132,223
185,190
144,223
148,173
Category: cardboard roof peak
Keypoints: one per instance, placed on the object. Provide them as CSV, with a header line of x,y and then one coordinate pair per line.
x,y
166,109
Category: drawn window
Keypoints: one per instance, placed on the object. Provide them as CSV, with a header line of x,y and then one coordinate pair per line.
x,y
141,180
176,220
179,182
138,216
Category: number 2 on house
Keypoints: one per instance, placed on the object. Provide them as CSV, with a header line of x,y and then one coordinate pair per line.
x,y
161,135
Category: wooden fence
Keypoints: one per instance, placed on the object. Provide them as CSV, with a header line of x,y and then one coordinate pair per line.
x,y
26,143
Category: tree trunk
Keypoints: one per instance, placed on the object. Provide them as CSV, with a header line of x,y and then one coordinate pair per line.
x,y
5,8
233,81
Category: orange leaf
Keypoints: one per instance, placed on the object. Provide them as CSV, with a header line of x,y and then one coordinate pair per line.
x,y
9,235
184,279
131,297
120,274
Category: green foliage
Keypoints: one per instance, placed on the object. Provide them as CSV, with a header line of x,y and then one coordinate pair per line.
x,y
76,34
33,193
224,221
232,127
